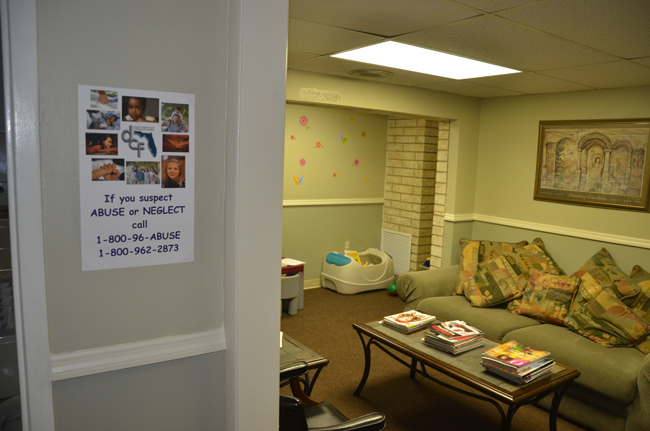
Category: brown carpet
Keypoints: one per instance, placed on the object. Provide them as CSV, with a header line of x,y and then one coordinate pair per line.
x,y
325,326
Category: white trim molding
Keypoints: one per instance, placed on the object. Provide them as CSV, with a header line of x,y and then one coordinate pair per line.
x,y
121,356
323,202
20,72
314,283
459,218
559,230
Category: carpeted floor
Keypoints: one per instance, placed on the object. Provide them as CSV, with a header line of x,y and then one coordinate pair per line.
x,y
325,326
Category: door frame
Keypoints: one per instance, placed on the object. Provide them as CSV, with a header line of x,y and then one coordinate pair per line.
x,y
20,72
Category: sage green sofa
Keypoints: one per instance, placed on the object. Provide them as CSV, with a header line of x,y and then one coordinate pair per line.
x,y
613,390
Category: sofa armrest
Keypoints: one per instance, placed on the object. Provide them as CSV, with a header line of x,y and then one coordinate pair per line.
x,y
413,287
638,413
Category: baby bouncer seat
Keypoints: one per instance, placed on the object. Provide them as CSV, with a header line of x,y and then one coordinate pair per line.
x,y
351,272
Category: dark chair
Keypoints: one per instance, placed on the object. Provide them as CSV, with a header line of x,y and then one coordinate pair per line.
x,y
301,413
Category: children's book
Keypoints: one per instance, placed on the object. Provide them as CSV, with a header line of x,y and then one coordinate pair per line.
x,y
513,356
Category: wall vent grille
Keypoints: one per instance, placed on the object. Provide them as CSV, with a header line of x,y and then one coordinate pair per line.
x,y
398,245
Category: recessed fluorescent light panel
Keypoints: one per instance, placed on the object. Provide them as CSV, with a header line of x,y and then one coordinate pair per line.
x,y
408,57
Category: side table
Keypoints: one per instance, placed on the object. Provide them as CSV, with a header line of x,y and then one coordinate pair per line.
x,y
294,351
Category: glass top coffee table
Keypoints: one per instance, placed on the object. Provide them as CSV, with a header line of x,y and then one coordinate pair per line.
x,y
293,351
465,368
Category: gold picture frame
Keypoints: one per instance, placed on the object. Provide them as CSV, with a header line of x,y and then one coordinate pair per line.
x,y
597,163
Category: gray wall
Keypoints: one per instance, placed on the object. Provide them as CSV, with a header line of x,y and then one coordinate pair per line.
x,y
178,395
165,46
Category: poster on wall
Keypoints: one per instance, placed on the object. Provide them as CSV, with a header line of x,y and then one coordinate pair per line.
x,y
136,175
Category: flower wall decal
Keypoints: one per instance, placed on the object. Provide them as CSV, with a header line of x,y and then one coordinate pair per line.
x,y
303,120
302,162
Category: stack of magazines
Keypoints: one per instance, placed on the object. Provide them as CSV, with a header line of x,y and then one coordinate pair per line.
x,y
516,362
408,321
454,336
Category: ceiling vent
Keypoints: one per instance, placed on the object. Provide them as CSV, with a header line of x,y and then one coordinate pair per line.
x,y
370,73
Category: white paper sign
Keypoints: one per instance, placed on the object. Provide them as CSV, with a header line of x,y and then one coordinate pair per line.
x,y
136,174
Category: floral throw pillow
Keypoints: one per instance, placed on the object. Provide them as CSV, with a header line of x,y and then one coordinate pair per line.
x,y
547,297
472,253
608,321
497,281
641,304
504,278
599,272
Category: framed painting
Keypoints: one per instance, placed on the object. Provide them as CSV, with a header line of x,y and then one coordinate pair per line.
x,y
598,163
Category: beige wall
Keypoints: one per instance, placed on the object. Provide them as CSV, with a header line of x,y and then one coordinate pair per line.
x,y
508,154
310,232
506,173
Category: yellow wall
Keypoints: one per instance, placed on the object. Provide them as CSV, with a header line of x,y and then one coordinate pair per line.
x,y
320,149
338,154
462,112
373,95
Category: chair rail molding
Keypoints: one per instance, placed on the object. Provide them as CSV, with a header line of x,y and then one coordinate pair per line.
x,y
324,202
122,356
559,230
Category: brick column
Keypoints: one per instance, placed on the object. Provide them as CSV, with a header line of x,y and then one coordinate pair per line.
x,y
440,200
411,165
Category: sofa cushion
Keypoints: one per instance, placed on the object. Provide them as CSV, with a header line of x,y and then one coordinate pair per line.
x,y
601,271
641,304
611,372
547,297
504,277
473,252
494,322
607,321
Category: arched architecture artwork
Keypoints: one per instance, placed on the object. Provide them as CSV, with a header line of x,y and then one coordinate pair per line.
x,y
603,163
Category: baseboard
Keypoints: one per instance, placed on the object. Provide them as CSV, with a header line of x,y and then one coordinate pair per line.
x,y
314,283
122,356
559,230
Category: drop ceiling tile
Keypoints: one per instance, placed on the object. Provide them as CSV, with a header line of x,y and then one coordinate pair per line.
x,y
495,5
296,56
321,39
620,27
379,17
615,74
335,66
500,42
529,83
645,61
470,89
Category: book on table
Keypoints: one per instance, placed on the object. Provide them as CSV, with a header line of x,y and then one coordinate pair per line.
x,y
514,356
517,362
408,321
454,336
539,370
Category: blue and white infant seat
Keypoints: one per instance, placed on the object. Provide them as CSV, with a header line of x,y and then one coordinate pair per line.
x,y
351,272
